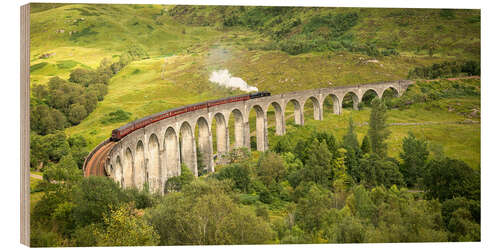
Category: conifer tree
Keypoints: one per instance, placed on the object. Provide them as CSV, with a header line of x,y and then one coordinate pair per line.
x,y
351,139
366,145
378,131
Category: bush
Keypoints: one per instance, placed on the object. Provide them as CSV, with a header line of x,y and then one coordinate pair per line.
x,y
45,120
84,77
446,69
175,184
116,116
449,178
77,112
94,198
240,176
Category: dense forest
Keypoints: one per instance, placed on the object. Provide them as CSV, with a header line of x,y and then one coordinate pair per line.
x,y
353,181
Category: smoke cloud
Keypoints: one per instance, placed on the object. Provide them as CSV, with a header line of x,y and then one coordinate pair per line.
x,y
224,78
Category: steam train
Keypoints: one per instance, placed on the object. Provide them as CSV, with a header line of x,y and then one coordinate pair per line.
x,y
130,127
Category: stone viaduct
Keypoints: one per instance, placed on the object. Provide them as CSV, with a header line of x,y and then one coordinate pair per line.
x,y
154,153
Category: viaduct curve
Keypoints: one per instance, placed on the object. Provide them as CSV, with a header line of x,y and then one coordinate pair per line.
x,y
154,153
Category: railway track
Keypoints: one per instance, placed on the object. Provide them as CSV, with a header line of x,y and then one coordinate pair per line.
x,y
96,162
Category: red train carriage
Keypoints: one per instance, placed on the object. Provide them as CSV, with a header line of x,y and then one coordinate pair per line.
x,y
128,128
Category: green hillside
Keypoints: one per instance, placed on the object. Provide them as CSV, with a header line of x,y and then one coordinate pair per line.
x,y
187,43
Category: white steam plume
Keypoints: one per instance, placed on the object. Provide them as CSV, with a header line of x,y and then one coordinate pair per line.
x,y
224,78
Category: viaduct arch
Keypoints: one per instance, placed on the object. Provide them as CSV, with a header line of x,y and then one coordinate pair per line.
x,y
153,154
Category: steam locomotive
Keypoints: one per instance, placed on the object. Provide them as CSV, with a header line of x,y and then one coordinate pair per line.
x,y
130,127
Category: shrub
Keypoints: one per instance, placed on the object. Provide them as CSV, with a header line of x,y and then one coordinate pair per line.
x,y
449,178
446,69
77,112
240,175
116,116
175,184
94,198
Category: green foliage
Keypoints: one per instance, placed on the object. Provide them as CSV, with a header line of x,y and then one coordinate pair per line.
x,y
45,120
99,90
373,170
94,198
366,146
462,217
123,228
337,24
200,163
312,209
116,116
427,92
350,139
414,156
41,238
342,180
70,99
179,217
141,198
318,166
400,218
447,13
270,168
65,170
378,131
86,236
462,227
134,52
240,175
78,144
66,64
83,76
37,66
49,148
77,112
449,178
60,101
446,69
176,183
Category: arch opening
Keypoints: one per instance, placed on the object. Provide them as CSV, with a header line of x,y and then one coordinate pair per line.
x,y
390,93
257,120
367,98
154,170
293,108
331,102
117,170
221,134
171,164
188,147
236,136
128,169
350,100
312,109
140,166
275,119
204,147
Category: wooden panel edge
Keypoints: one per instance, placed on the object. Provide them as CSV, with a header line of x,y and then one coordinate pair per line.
x,y
25,123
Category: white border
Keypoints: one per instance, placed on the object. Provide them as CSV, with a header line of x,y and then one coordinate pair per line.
x,y
10,124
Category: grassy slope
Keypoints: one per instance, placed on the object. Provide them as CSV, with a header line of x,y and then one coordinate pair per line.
x,y
439,127
106,30
99,31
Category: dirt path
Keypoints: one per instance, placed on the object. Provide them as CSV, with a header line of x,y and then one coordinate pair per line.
x,y
38,177
424,123
455,78
409,124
